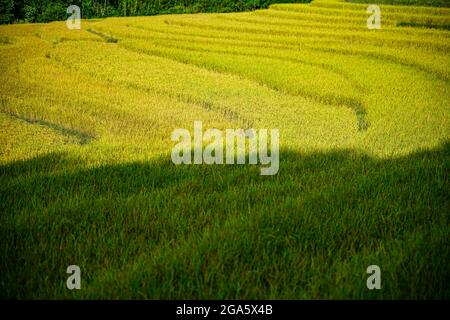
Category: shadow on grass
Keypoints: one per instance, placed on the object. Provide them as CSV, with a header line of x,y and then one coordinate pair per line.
x,y
156,230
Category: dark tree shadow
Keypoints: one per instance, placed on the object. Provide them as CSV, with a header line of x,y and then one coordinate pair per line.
x,y
156,230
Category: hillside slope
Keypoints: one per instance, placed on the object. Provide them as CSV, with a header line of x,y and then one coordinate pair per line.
x,y
86,176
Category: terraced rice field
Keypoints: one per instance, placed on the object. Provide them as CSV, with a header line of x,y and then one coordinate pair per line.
x,y
86,178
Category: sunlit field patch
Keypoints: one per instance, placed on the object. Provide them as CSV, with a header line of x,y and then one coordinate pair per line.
x,y
86,176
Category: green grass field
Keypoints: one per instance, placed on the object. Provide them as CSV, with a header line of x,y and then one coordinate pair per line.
x,y
86,177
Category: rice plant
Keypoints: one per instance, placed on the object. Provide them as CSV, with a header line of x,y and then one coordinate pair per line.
x,y
86,178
